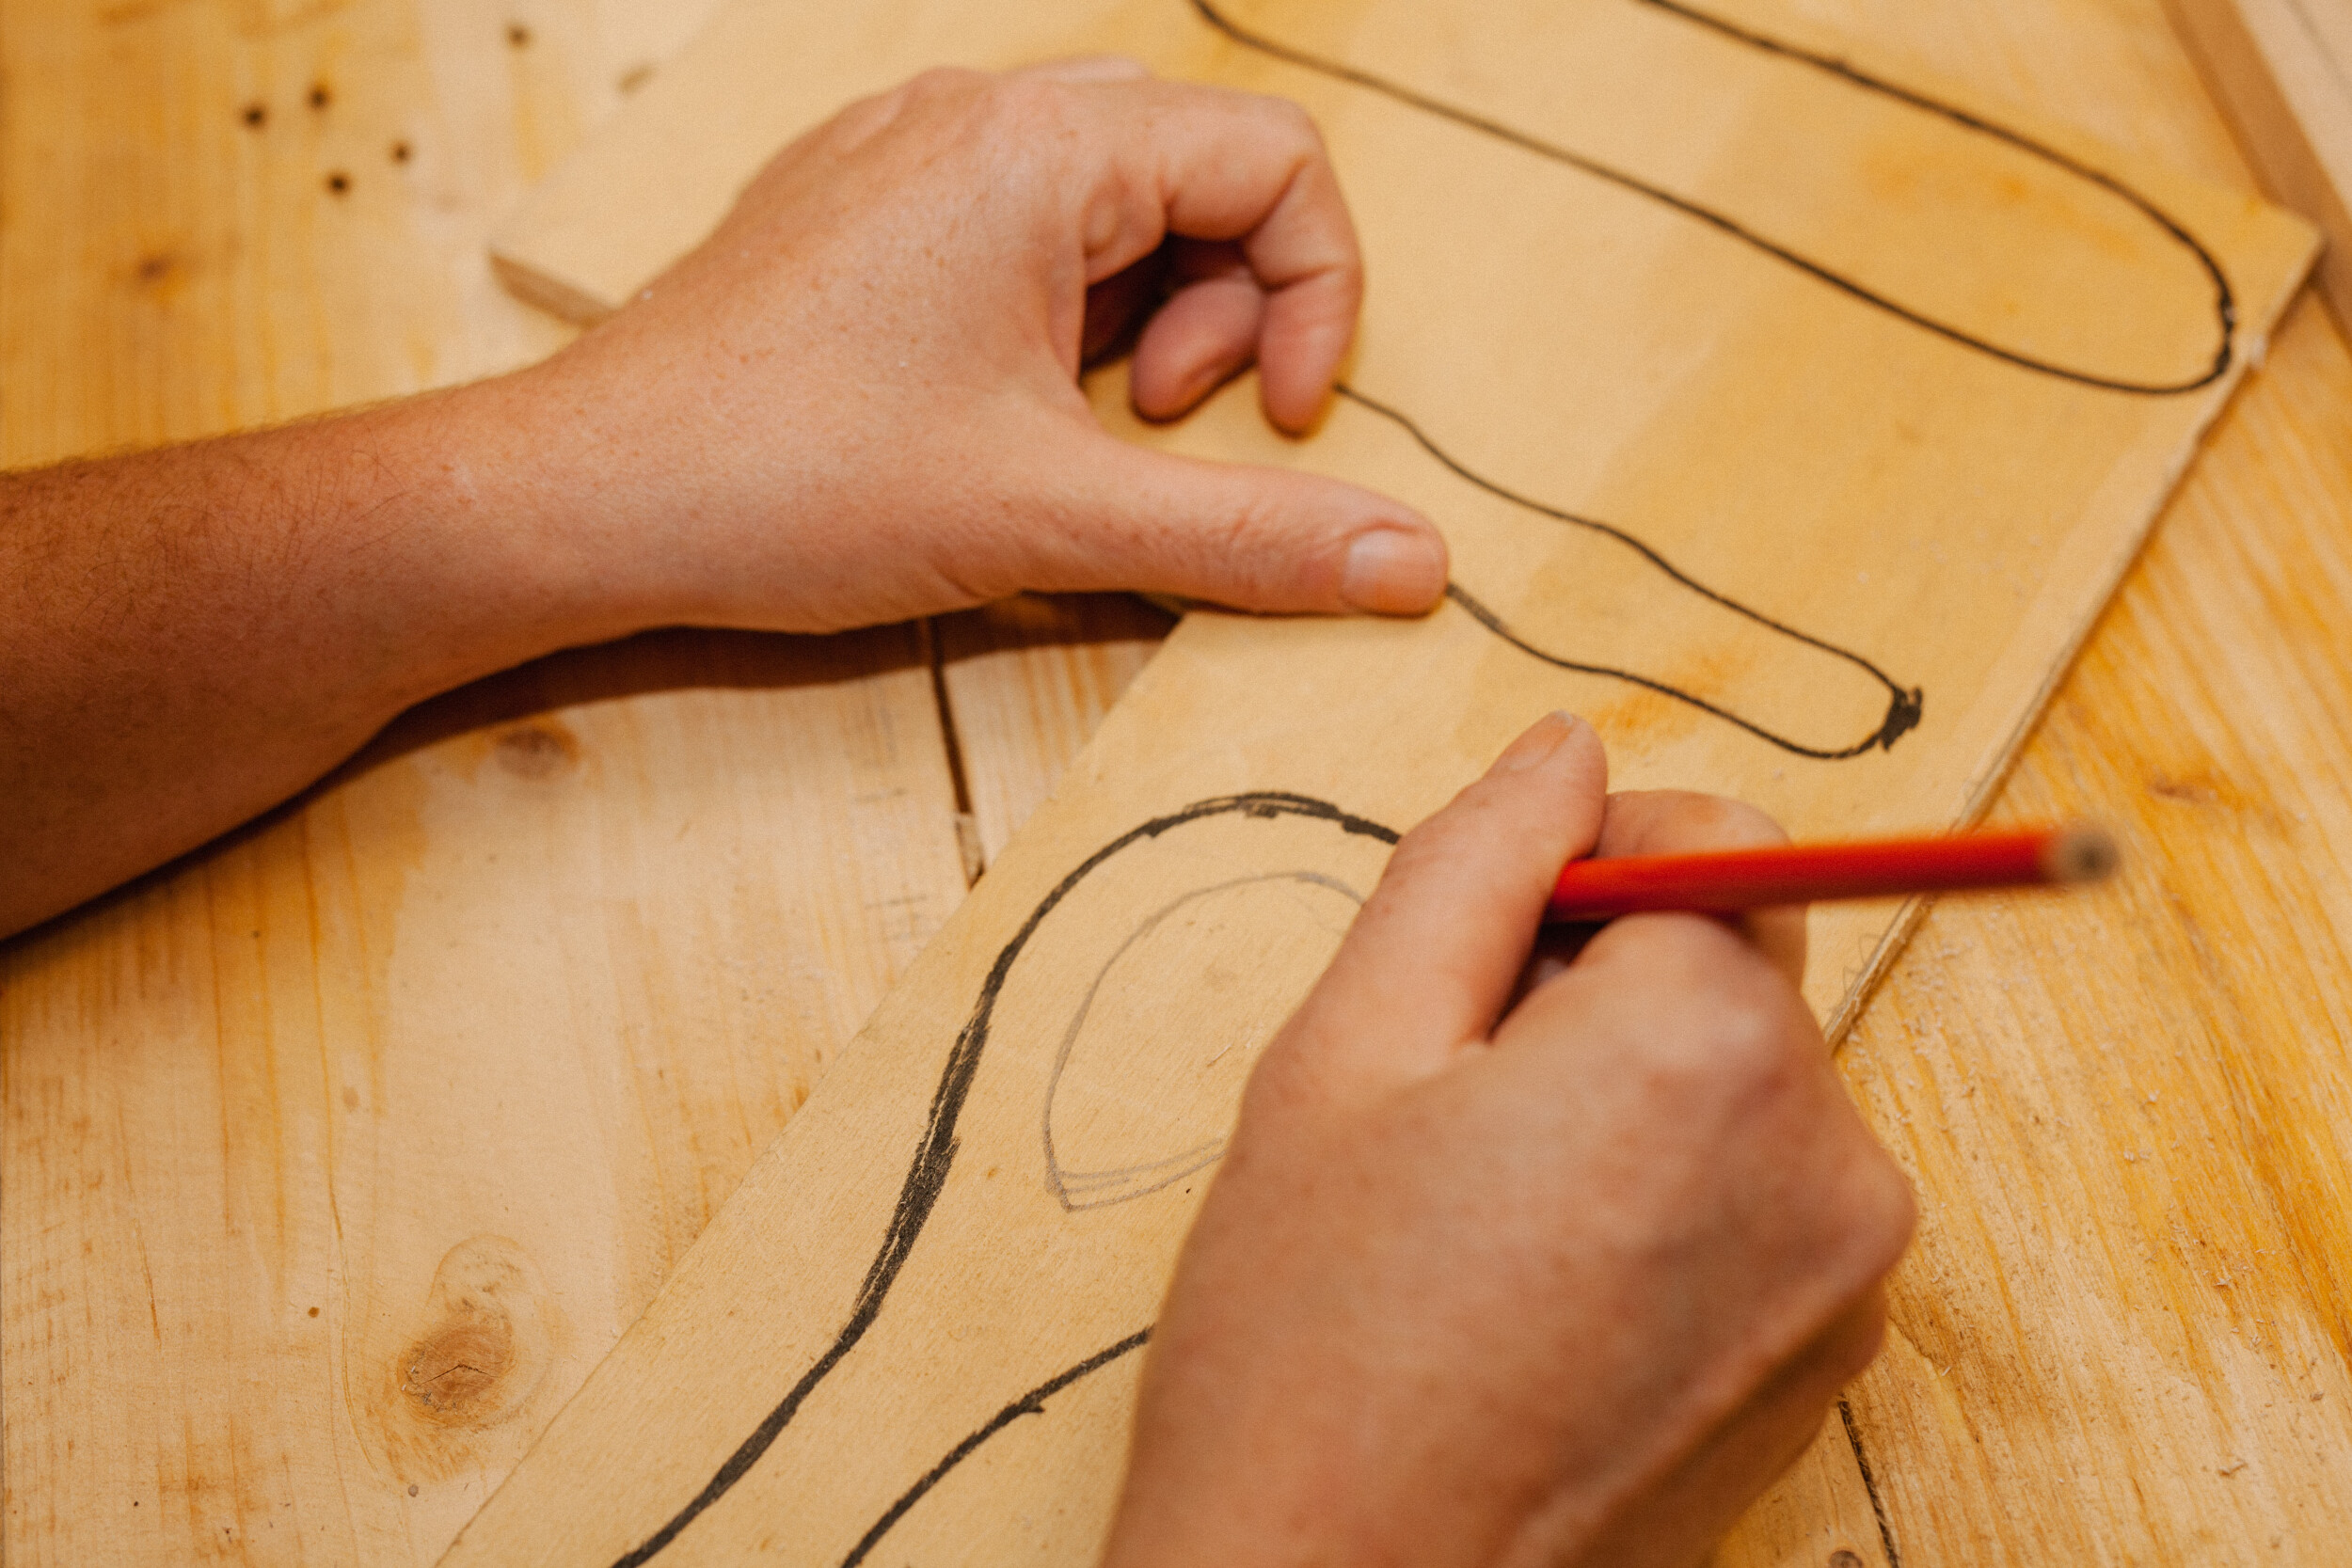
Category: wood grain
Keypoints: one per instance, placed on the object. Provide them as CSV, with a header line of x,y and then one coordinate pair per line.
x,y
2119,1365
337,1153
2099,1362
2122,1363
1028,682
801,1421
2283,69
2127,1115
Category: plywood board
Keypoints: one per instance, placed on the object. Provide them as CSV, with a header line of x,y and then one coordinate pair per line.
x,y
2120,1336
1027,681
335,1155
2283,71
1789,422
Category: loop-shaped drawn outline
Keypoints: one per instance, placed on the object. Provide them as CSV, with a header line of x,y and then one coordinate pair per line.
x,y
1904,705
927,1177
1086,1189
935,1153
2225,304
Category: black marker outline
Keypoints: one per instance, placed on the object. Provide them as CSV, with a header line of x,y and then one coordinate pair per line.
x,y
936,1151
1030,1403
1904,705
2225,304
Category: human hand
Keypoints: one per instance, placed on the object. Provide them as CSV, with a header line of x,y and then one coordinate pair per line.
x,y
857,402
1563,1279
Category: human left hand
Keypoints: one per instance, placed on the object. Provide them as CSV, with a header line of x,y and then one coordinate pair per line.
x,y
858,401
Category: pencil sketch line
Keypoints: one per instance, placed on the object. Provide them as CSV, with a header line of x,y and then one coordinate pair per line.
x,y
1030,1403
1066,1186
2225,303
1904,705
935,1152
1094,1180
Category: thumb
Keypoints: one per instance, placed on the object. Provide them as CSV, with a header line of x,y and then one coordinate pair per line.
x,y
1433,957
1255,538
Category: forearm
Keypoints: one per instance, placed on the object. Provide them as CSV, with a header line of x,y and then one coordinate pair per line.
x,y
189,636
855,403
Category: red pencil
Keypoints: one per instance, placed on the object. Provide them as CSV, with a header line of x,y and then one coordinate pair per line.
x,y
1732,879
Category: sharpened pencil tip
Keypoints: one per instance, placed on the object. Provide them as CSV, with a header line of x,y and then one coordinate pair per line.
x,y
2082,853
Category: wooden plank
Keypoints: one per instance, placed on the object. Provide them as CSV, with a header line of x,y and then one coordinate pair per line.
x,y
1967,533
2121,1333
1028,682
338,1153
2064,1357
2003,1425
2283,71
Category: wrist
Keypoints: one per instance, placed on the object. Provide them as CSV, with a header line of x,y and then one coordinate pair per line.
x,y
479,559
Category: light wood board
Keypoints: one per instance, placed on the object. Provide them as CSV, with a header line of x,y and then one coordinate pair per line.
x,y
1006,1160
336,1154
2202,719
2120,1333
2283,70
1029,681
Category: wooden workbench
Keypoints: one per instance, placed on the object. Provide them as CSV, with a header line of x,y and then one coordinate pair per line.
x,y
336,1154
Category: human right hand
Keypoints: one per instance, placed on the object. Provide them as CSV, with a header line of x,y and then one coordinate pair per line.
x,y
1518,1259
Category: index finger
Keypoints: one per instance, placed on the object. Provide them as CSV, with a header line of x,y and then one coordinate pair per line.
x,y
1213,164
1429,963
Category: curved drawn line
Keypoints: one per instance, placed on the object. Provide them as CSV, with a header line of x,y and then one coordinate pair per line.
x,y
2225,304
1069,1187
1903,708
1084,1182
936,1151
1030,1403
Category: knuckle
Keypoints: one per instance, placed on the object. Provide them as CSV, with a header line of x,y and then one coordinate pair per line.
x,y
1750,1010
1859,1220
1462,821
1418,853
1289,119
1024,104
1858,1340
1881,1212
1673,820
1240,542
943,81
1749,1041
1745,1055
1424,863
1728,1031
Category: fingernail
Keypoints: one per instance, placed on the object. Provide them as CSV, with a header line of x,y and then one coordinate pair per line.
x,y
1393,571
1543,738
